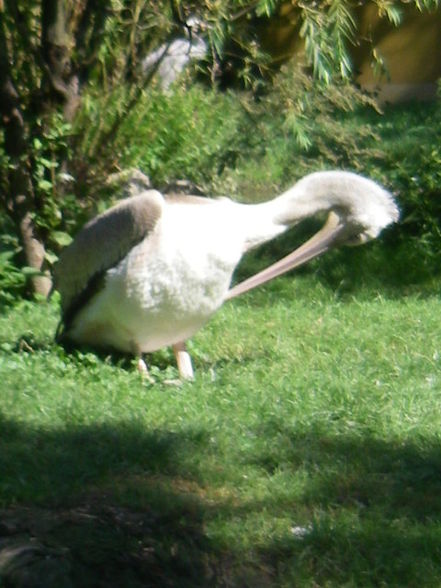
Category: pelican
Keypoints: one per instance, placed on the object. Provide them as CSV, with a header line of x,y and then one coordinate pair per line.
x,y
174,57
150,271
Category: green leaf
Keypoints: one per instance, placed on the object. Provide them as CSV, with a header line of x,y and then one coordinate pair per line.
x,y
50,257
6,256
394,14
31,271
47,162
61,238
45,185
265,7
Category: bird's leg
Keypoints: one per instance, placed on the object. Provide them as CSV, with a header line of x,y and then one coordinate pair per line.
x,y
144,370
183,360
142,367
141,364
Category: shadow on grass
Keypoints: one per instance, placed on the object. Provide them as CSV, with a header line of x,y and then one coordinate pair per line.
x,y
116,505
107,506
374,508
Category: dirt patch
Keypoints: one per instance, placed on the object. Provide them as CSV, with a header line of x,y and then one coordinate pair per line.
x,y
104,546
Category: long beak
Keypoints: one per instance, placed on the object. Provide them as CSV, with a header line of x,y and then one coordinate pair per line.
x,y
321,242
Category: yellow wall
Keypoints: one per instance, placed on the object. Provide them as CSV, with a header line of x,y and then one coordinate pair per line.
x,y
412,52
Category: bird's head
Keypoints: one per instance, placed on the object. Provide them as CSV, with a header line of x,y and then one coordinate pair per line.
x,y
366,208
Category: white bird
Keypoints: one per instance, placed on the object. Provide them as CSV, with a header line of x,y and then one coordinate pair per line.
x,y
150,271
173,58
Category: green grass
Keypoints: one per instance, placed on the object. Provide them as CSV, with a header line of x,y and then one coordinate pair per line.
x,y
307,452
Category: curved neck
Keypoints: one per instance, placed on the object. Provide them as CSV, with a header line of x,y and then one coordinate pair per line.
x,y
267,220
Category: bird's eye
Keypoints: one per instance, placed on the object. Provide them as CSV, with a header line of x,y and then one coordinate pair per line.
x,y
357,239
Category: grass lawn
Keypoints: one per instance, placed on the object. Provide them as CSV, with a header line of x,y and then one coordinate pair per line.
x,y
307,453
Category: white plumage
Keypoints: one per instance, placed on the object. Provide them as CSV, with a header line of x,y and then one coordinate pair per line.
x,y
151,271
171,59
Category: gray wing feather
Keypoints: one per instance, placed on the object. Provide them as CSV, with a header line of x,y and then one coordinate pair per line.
x,y
102,243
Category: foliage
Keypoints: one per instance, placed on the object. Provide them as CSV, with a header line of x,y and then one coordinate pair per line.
x,y
314,127
234,147
329,29
53,51
192,133
12,278
84,110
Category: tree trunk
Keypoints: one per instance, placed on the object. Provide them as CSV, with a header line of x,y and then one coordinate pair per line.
x,y
20,201
61,84
58,88
20,191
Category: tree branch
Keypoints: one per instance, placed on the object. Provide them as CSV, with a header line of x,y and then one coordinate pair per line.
x,y
89,35
55,47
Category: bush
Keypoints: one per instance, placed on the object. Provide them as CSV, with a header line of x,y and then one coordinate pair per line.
x,y
12,279
193,133
315,127
252,149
